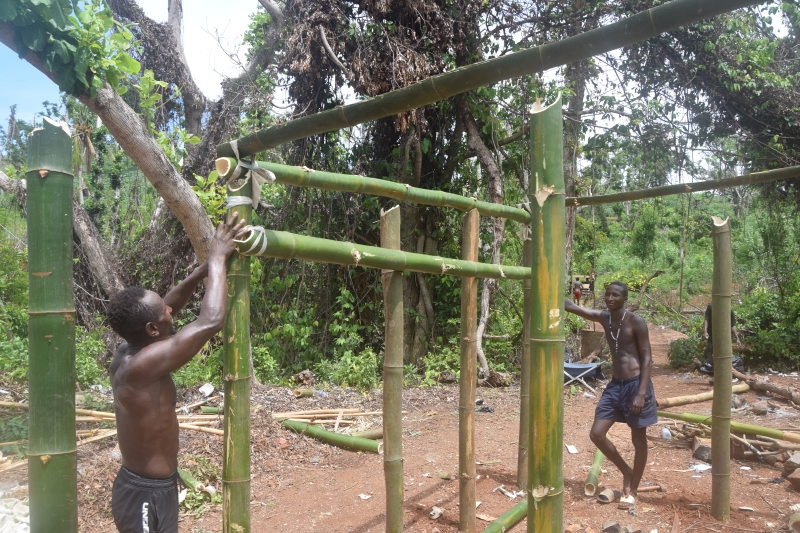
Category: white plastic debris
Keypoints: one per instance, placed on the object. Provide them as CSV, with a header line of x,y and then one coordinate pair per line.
x,y
509,493
700,468
14,516
745,468
572,449
587,394
206,390
436,512
365,496
666,434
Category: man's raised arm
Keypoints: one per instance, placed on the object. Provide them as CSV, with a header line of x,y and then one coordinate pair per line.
x,y
177,298
595,315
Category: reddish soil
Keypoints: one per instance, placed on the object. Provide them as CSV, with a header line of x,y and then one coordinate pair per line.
x,y
302,485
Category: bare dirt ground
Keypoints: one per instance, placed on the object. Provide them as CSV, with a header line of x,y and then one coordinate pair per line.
x,y
299,484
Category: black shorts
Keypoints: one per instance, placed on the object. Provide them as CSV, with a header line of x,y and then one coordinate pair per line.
x,y
142,504
615,403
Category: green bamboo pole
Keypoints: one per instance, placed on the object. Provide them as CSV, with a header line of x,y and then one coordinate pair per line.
x,y
336,439
633,29
723,355
305,177
468,378
285,245
548,230
592,480
525,373
667,190
52,450
393,376
748,429
508,519
236,372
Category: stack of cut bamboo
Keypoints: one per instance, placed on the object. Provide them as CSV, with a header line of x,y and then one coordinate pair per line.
x,y
334,417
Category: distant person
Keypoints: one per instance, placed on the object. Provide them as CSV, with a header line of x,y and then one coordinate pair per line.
x,y
629,397
707,328
144,498
576,291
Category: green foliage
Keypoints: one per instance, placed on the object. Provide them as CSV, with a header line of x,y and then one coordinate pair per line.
x,y
205,367
14,428
212,196
356,370
265,366
205,472
14,359
79,41
88,347
683,351
644,234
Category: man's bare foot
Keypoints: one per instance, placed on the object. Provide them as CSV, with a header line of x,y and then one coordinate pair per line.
x,y
626,482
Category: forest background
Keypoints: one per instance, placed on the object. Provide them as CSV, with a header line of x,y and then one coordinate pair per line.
x,y
705,102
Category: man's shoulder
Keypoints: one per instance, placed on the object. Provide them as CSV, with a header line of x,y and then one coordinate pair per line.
x,y
637,320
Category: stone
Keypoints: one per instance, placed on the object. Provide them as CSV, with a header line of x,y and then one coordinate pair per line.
x,y
737,402
760,408
794,479
701,449
792,463
589,530
573,528
611,527
632,529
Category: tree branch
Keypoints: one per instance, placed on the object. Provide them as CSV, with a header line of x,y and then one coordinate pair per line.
x,y
330,53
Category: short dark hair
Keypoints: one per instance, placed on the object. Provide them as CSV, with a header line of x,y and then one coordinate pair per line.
x,y
621,286
127,313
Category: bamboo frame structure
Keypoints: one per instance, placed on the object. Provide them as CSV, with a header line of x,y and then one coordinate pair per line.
x,y
545,489
627,31
236,372
329,181
668,190
285,245
525,372
468,377
723,357
393,376
52,446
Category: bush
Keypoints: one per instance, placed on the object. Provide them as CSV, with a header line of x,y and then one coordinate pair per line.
x,y
89,345
357,370
683,351
205,367
14,359
265,366
778,348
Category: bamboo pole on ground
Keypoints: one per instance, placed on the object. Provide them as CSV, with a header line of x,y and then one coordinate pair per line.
x,y
667,190
592,479
468,377
735,426
236,372
508,519
285,245
393,376
697,398
545,488
633,29
305,177
525,373
723,356
52,447
336,439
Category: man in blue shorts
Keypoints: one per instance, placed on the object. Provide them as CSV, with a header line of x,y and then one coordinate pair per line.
x,y
629,397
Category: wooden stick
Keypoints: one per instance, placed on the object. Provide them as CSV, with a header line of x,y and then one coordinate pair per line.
x,y
289,414
12,442
195,404
110,433
697,398
201,429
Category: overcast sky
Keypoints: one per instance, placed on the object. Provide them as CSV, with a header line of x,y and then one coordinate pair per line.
x,y
203,21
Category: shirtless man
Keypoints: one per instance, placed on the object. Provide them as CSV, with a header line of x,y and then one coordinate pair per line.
x,y
144,498
629,397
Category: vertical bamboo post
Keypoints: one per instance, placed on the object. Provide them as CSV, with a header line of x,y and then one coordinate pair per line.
x,y
548,228
393,376
52,450
236,376
525,372
468,377
723,356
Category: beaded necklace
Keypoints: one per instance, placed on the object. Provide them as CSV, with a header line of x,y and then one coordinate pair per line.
x,y
619,328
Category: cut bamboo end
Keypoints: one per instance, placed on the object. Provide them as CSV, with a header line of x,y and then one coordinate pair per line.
x,y
224,167
718,221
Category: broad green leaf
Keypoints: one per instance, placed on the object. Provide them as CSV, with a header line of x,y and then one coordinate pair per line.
x,y
35,37
41,2
193,139
121,42
121,89
81,65
59,12
112,77
7,11
127,64
85,16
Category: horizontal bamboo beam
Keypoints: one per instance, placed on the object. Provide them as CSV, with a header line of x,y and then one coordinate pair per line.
x,y
285,245
627,31
336,439
305,177
664,403
735,426
667,190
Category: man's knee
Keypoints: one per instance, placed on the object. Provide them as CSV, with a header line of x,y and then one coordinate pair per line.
x,y
597,436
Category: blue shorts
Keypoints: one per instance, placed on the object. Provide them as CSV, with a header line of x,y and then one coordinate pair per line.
x,y
615,403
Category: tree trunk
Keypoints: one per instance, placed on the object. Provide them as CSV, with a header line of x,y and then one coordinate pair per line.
x,y
574,77
99,261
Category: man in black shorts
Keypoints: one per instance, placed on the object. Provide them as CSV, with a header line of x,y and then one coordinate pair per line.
x,y
144,498
629,397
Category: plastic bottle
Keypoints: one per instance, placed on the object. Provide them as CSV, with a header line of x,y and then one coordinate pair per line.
x,y
665,433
